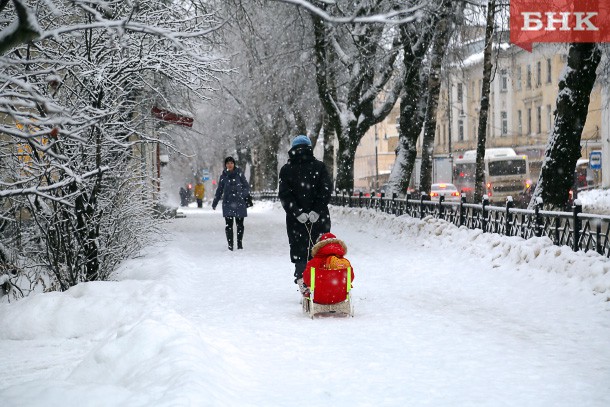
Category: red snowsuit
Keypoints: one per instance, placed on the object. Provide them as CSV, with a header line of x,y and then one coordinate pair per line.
x,y
330,270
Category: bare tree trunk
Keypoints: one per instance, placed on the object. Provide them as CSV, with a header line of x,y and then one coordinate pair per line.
x,y
563,147
27,27
412,104
329,148
484,110
264,158
354,114
434,89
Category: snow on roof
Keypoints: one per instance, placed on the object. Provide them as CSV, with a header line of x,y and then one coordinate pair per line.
x,y
477,58
491,153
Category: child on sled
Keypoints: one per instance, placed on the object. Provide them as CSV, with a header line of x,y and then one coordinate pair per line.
x,y
330,270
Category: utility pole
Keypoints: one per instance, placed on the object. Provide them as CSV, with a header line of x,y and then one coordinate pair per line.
x,y
449,118
376,162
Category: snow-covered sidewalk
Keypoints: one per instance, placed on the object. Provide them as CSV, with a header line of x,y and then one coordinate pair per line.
x,y
443,317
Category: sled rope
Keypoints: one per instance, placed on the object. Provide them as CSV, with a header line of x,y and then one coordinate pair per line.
x,y
309,228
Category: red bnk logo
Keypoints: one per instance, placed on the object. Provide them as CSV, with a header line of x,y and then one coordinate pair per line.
x,y
559,21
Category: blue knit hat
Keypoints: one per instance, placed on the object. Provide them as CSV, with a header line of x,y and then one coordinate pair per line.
x,y
298,140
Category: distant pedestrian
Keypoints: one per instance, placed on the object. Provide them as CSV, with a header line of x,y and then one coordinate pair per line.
x,y
233,190
183,197
304,190
199,193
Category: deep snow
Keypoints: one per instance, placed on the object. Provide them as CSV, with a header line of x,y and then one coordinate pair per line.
x,y
444,316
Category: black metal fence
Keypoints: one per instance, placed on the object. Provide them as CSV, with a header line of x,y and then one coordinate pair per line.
x,y
580,231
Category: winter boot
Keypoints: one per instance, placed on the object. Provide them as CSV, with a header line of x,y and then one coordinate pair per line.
x,y
230,238
240,232
303,288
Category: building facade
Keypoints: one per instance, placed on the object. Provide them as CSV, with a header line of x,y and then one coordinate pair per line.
x,y
523,95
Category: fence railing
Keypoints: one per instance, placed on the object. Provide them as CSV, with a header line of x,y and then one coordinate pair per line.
x,y
580,231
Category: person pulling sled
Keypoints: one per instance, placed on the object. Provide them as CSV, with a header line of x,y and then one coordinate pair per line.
x,y
304,191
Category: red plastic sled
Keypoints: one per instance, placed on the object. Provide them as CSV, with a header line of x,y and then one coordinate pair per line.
x,y
330,292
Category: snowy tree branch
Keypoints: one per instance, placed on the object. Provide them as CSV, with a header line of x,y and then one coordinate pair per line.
x,y
400,16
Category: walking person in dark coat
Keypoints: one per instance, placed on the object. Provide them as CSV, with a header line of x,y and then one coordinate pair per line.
x,y
233,190
304,190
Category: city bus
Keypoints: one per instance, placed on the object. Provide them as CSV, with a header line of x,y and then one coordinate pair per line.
x,y
506,174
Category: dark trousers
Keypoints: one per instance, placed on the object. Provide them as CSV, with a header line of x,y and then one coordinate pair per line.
x,y
301,241
229,231
199,203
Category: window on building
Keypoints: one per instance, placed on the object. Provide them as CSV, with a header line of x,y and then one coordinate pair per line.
x,y
504,116
518,82
549,118
529,121
538,73
539,119
503,80
528,79
460,130
460,93
549,68
519,122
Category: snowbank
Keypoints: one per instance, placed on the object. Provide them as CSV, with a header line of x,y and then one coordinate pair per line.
x,y
501,251
595,201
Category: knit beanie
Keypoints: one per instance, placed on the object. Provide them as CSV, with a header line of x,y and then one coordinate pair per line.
x,y
298,140
229,159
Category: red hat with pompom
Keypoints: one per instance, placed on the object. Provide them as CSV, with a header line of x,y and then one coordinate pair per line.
x,y
326,236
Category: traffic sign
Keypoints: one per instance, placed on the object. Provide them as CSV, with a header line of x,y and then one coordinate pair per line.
x,y
595,160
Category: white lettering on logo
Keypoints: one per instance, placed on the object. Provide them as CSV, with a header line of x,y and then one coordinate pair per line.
x,y
586,20
563,20
532,21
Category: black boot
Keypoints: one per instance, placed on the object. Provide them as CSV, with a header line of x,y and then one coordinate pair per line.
x,y
229,232
240,232
230,241
299,268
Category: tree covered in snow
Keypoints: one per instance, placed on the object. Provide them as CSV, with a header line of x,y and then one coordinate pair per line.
x,y
484,107
443,30
271,95
77,138
359,72
563,147
424,44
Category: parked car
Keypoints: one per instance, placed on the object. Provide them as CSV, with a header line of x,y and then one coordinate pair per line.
x,y
448,191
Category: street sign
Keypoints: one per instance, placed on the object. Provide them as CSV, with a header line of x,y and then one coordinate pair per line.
x,y
595,160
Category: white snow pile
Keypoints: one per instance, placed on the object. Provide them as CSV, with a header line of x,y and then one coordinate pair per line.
x,y
192,324
595,200
501,251
143,353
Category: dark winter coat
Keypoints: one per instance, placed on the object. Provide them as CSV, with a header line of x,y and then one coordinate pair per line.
x,y
304,186
233,190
